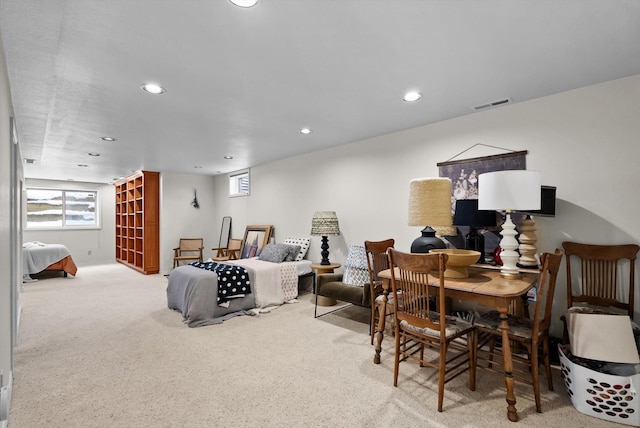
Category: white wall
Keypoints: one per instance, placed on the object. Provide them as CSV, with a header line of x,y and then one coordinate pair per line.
x,y
9,285
584,141
178,219
87,247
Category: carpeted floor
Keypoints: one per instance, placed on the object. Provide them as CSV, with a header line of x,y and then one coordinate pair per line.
x,y
103,350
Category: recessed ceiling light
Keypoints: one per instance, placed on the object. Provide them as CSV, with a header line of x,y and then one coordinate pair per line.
x,y
93,154
82,165
108,139
152,88
228,157
305,131
244,3
412,96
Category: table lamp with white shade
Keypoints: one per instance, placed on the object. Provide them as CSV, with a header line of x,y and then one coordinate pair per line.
x,y
510,190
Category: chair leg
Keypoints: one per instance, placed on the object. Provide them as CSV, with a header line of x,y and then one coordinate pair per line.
x,y
547,362
442,373
396,363
533,351
472,343
492,343
373,320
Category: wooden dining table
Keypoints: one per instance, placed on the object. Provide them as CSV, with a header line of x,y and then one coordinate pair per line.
x,y
487,287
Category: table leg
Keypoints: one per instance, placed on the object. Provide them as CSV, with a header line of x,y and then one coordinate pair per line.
x,y
512,413
381,325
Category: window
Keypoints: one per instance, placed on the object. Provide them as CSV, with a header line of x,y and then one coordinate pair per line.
x,y
61,209
239,183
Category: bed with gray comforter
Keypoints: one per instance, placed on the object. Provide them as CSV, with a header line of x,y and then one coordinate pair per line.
x,y
194,291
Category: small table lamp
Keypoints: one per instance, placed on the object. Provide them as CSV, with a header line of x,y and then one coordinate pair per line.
x,y
325,223
467,214
429,205
509,190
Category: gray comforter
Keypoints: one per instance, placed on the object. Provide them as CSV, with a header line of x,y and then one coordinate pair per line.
x,y
194,292
36,256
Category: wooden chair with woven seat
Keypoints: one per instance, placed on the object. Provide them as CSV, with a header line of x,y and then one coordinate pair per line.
x,y
531,333
377,261
189,249
231,252
417,324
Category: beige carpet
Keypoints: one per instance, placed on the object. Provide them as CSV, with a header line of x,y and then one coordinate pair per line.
x,y
103,350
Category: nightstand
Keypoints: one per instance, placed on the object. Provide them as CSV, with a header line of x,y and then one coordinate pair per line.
x,y
324,268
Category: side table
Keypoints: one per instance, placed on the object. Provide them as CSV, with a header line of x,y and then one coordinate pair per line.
x,y
320,269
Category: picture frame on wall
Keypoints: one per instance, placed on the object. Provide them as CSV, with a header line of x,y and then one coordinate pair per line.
x,y
464,172
255,239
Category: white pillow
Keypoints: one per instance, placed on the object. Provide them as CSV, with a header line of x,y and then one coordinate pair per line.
x,y
302,242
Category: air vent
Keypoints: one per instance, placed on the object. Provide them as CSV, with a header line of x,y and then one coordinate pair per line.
x,y
29,161
492,104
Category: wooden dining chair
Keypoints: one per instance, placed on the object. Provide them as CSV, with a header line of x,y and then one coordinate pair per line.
x,y
231,252
377,261
597,283
189,249
418,325
530,333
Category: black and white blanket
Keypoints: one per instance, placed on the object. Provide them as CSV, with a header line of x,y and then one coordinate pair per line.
x,y
233,281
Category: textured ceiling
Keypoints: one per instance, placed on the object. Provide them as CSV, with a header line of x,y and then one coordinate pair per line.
x,y
242,82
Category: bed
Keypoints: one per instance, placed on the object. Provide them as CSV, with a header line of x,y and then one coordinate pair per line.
x,y
194,290
38,257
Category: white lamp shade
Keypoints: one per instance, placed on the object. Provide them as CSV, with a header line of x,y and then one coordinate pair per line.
x,y
430,202
510,190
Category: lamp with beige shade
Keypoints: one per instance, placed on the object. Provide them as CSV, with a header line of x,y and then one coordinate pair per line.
x,y
430,206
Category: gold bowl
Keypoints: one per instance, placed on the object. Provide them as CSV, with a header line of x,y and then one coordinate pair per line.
x,y
458,262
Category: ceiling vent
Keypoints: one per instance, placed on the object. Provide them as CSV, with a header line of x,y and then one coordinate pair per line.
x,y
493,104
29,161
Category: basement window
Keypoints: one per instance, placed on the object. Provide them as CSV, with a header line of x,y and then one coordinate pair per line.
x,y
56,209
239,184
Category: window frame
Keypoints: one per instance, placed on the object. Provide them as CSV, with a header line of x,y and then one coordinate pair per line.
x,y
234,183
96,226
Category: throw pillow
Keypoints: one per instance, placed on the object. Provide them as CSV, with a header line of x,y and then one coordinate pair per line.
x,y
275,253
304,246
294,250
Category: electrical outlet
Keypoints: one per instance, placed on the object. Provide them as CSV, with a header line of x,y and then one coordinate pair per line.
x,y
89,252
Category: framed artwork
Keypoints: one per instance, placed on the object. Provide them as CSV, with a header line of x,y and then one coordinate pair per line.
x,y
464,172
255,238
464,185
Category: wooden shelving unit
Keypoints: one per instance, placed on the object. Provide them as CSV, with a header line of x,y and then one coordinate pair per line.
x,y
137,221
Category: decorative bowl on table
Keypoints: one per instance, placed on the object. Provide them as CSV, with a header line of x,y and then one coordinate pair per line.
x,y
458,262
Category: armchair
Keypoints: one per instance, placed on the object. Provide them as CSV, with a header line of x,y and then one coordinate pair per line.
x,y
350,286
188,249
231,252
